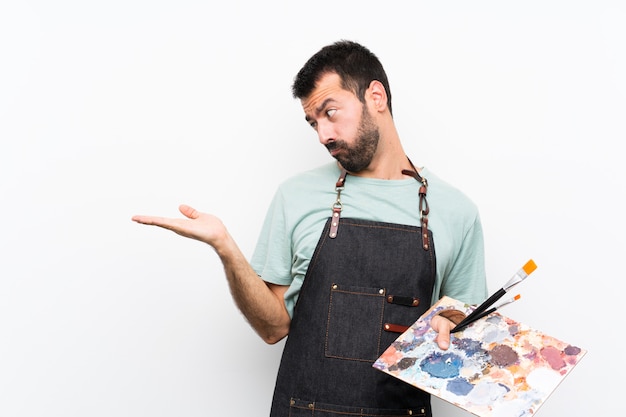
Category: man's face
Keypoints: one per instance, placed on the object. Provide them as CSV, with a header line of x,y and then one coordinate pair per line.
x,y
343,124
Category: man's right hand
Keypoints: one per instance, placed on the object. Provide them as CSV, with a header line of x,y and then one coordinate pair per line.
x,y
199,226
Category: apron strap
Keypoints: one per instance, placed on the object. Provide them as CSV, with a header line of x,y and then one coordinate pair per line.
x,y
337,206
423,204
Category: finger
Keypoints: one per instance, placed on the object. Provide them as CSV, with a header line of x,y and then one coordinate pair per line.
x,y
151,220
189,211
142,219
443,340
442,326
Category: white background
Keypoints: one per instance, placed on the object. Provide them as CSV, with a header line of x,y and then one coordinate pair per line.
x,y
110,109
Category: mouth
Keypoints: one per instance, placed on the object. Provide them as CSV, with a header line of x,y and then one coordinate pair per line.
x,y
333,149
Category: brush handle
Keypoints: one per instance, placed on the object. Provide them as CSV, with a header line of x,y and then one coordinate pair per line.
x,y
479,310
483,314
466,323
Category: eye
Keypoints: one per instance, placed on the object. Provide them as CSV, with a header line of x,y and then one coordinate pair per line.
x,y
313,124
330,112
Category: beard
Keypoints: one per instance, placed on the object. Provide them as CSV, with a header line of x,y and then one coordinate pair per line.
x,y
359,156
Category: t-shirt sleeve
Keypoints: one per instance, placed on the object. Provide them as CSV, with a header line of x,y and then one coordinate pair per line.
x,y
272,255
466,280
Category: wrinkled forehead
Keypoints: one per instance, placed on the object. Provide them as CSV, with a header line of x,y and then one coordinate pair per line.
x,y
327,89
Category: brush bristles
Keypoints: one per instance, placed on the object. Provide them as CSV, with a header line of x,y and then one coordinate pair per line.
x,y
529,267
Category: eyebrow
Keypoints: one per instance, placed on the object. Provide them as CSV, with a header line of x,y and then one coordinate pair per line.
x,y
319,108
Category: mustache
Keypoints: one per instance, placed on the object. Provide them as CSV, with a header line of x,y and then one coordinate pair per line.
x,y
334,145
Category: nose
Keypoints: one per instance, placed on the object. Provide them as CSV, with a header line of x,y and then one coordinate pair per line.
x,y
325,132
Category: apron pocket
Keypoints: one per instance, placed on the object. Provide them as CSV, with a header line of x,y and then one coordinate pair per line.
x,y
355,322
301,408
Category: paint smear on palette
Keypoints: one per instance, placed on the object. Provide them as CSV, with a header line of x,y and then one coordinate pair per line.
x,y
496,367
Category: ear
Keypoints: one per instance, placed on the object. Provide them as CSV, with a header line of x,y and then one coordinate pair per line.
x,y
377,95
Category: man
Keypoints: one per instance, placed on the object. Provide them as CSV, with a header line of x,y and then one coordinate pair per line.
x,y
346,257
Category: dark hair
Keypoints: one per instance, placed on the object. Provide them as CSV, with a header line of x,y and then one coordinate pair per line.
x,y
356,65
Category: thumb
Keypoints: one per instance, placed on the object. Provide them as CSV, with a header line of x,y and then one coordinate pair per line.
x,y
188,211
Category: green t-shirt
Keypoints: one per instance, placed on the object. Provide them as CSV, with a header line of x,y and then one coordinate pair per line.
x,y
303,203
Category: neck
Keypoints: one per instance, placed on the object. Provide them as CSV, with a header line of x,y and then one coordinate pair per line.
x,y
389,169
389,161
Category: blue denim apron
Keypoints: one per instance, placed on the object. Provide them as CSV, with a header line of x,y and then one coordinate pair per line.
x,y
366,282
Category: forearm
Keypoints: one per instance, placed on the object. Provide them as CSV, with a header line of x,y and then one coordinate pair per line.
x,y
263,308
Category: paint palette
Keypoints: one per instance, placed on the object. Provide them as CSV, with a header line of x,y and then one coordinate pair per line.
x,y
496,367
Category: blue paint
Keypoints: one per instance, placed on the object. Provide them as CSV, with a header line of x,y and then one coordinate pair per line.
x,y
514,329
439,365
469,346
459,386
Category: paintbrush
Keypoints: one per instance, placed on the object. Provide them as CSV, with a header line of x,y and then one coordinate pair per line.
x,y
519,276
486,312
